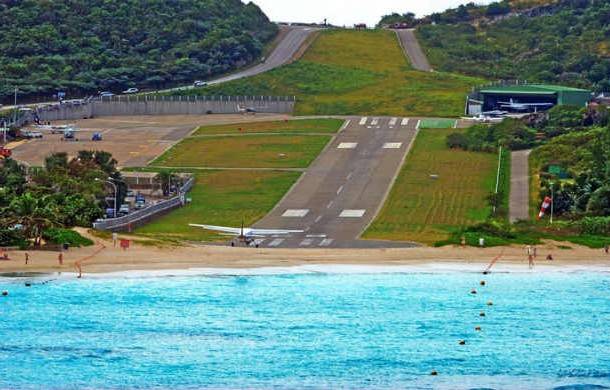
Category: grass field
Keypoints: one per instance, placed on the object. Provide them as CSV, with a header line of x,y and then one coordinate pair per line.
x,y
437,123
222,198
245,151
356,73
427,210
289,126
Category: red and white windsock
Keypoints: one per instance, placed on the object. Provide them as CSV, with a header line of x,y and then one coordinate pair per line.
x,y
545,207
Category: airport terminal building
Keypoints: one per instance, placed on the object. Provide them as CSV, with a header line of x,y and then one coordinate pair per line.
x,y
523,98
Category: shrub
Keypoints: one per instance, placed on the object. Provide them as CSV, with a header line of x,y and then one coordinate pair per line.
x,y
594,225
66,236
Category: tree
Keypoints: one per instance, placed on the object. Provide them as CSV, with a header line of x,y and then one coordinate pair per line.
x,y
33,213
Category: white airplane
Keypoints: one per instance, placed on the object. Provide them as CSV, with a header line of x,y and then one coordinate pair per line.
x,y
524,106
246,110
484,118
246,235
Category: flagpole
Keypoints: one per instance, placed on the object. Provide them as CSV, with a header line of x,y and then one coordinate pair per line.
x,y
552,200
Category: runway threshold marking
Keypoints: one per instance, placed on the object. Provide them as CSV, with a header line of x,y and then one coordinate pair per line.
x,y
393,121
375,121
352,213
276,242
340,190
318,218
363,121
306,242
345,125
316,236
349,176
392,145
330,204
347,145
418,124
295,213
404,122
326,242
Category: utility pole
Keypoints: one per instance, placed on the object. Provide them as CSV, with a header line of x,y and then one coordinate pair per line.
x,y
15,108
498,179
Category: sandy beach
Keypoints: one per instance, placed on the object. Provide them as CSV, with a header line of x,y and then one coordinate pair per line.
x,y
103,257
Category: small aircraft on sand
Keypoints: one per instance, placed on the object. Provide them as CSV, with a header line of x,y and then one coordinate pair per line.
x,y
247,236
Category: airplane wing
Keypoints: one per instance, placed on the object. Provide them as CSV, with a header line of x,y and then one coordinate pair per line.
x,y
220,229
246,231
271,232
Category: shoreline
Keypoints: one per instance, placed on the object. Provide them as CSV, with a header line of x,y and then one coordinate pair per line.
x,y
104,258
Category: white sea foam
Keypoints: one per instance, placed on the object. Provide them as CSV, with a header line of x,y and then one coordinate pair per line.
x,y
420,268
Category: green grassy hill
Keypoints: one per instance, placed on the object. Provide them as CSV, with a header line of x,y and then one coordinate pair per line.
x,y
82,46
360,73
568,43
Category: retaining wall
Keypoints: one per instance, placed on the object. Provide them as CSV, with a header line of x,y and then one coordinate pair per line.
x,y
165,105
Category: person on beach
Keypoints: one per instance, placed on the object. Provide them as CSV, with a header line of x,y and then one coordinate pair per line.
x,y
27,258
60,257
535,251
607,248
115,238
530,256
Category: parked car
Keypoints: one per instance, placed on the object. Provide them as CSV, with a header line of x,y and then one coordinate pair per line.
x,y
124,209
96,137
131,90
200,83
29,134
106,94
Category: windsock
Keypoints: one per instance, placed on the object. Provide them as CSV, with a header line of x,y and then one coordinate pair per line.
x,y
545,206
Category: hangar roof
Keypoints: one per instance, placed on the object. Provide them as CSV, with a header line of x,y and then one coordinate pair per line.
x,y
534,89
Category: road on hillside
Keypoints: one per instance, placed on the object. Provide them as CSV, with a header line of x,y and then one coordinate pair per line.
x,y
413,50
519,186
341,193
283,53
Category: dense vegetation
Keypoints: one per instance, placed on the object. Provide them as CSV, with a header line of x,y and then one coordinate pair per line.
x,y
567,43
343,73
36,205
83,46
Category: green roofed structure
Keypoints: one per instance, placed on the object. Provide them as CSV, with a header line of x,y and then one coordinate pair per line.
x,y
524,98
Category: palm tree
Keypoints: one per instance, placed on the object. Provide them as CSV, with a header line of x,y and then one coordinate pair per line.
x,y
165,180
33,213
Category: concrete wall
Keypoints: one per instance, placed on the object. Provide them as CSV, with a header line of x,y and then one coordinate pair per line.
x,y
165,105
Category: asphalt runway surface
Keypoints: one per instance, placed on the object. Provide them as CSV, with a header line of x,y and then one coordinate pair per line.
x,y
342,191
413,50
519,186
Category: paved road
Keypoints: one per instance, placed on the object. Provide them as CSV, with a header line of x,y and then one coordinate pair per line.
x,y
340,194
282,54
413,50
519,186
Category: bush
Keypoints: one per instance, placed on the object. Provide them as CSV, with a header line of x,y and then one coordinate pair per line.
x,y
595,226
457,141
12,238
66,236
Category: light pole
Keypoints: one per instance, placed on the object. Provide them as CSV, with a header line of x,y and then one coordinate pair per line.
x,y
552,201
114,186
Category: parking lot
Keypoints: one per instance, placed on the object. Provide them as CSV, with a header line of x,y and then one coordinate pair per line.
x,y
133,140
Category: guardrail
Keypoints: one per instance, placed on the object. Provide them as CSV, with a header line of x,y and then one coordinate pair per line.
x,y
140,217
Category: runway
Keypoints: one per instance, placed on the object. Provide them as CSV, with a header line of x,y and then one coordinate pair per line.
x,y
343,190
413,50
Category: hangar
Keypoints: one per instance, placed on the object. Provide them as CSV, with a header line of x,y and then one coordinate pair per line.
x,y
524,98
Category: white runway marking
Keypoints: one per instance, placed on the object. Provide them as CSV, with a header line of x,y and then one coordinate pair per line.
x,y
295,213
318,218
326,242
345,124
276,242
375,121
330,204
340,190
350,175
393,121
417,126
363,121
455,124
405,121
258,241
352,213
306,242
392,145
347,145
316,236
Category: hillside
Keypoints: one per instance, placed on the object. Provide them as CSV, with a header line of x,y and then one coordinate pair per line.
x,y
567,43
82,46
343,73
